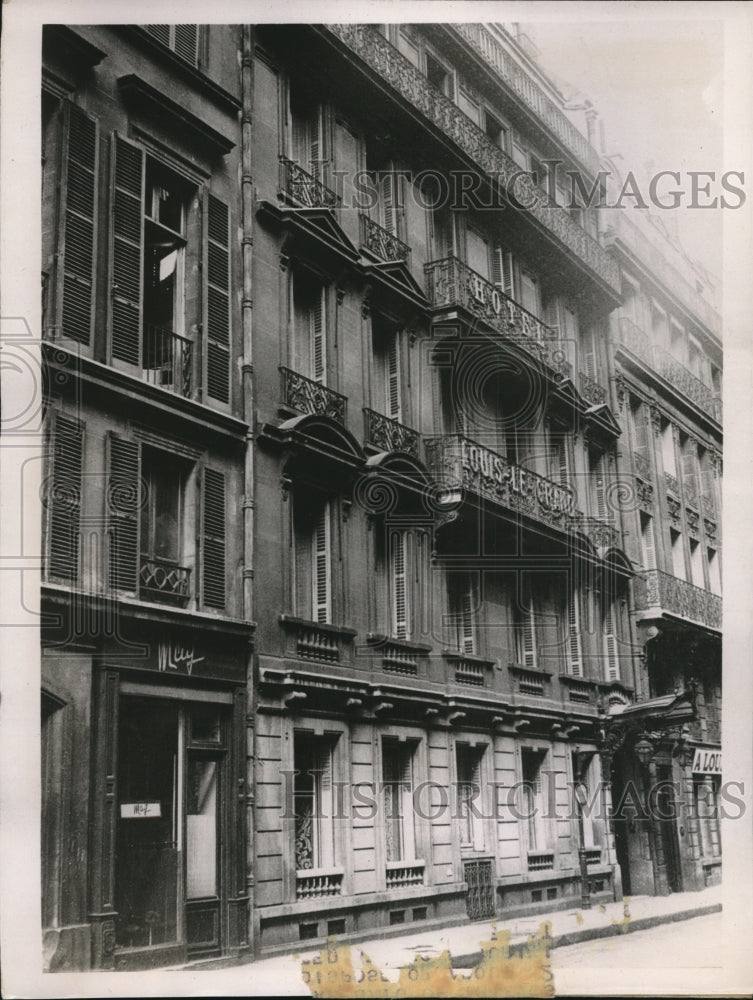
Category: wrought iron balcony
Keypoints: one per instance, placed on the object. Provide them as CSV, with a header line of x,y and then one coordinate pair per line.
x,y
452,284
303,188
689,384
164,581
167,360
412,85
591,391
390,435
635,340
308,396
516,77
663,593
378,241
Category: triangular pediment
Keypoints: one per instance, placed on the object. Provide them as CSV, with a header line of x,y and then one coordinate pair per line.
x,y
397,277
314,223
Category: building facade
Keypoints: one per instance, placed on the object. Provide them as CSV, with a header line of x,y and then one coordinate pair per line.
x,y
352,620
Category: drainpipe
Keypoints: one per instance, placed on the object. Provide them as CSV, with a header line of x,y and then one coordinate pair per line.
x,y
247,371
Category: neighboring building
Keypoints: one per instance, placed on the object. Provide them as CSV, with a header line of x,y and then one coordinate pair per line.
x,y
146,642
345,601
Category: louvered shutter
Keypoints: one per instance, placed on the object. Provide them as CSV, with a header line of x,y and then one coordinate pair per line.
x,y
688,467
126,250
161,32
324,850
599,486
406,812
468,607
64,497
498,268
317,320
574,652
388,200
399,572
477,822
610,644
321,567
77,245
640,423
186,42
124,499
316,148
559,472
217,298
647,539
393,379
527,632
214,520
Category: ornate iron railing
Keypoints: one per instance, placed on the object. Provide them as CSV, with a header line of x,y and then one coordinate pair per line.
x,y
516,77
403,873
387,434
635,340
477,874
162,580
376,51
308,396
689,384
303,188
377,240
167,360
654,589
591,391
642,465
450,283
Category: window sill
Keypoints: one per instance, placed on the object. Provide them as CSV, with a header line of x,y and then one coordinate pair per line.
x,y
379,639
290,622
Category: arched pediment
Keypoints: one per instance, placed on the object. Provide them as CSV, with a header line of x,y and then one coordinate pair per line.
x,y
323,433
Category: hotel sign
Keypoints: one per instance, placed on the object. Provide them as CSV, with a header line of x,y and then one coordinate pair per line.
x,y
707,761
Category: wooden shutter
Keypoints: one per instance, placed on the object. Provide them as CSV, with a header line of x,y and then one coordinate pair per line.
x,y
127,250
124,499
159,31
574,651
66,443
186,42
77,243
393,378
610,644
467,609
647,539
589,354
217,298
213,539
324,848
388,200
318,335
477,822
321,567
508,275
399,574
597,461
498,268
527,630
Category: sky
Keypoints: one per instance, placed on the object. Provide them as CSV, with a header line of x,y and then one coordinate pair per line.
x,y
658,87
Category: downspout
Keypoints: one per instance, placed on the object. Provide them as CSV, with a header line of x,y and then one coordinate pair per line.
x,y
247,372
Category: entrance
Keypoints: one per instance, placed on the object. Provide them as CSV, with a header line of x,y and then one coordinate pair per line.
x,y
168,882
667,823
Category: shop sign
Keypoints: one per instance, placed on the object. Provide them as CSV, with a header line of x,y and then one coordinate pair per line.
x,y
707,761
173,656
498,474
140,810
178,654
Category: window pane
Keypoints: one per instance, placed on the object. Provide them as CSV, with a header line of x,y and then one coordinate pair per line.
x,y
201,827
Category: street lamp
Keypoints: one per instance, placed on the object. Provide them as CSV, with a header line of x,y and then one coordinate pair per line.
x,y
644,750
581,797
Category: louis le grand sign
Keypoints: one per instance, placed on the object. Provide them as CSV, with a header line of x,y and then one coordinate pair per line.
x,y
499,479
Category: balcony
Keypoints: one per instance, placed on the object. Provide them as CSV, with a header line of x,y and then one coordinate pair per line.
x,y
540,861
305,395
316,883
381,243
661,593
167,360
400,874
303,189
373,48
316,642
665,364
164,581
518,80
386,434
450,284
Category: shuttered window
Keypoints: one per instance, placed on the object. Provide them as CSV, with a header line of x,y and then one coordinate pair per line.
x,y
597,465
77,243
63,497
214,520
313,802
183,39
124,498
464,602
526,627
127,245
574,648
468,761
309,327
400,584
611,659
502,271
389,199
648,548
217,299
306,134
321,570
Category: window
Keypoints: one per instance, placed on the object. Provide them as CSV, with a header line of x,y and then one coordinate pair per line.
x,y
469,105
65,457
525,625
678,554
698,362
705,801
559,458
677,340
573,639
388,381
696,563
597,479
706,476
313,804
533,805
639,419
312,542
495,130
668,448
609,633
464,607
163,573
442,226
715,579
689,457
468,760
306,131
183,39
439,75
648,548
155,242
398,784
530,296
477,252
658,325
407,43
309,327
400,584
540,171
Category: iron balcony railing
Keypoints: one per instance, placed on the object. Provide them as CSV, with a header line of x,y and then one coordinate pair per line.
x,y
516,77
591,391
675,372
167,360
304,188
387,434
464,464
308,396
162,580
412,85
666,593
380,242
450,284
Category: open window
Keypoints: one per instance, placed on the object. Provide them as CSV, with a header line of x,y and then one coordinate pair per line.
x,y
388,388
312,542
463,600
309,326
313,801
468,762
